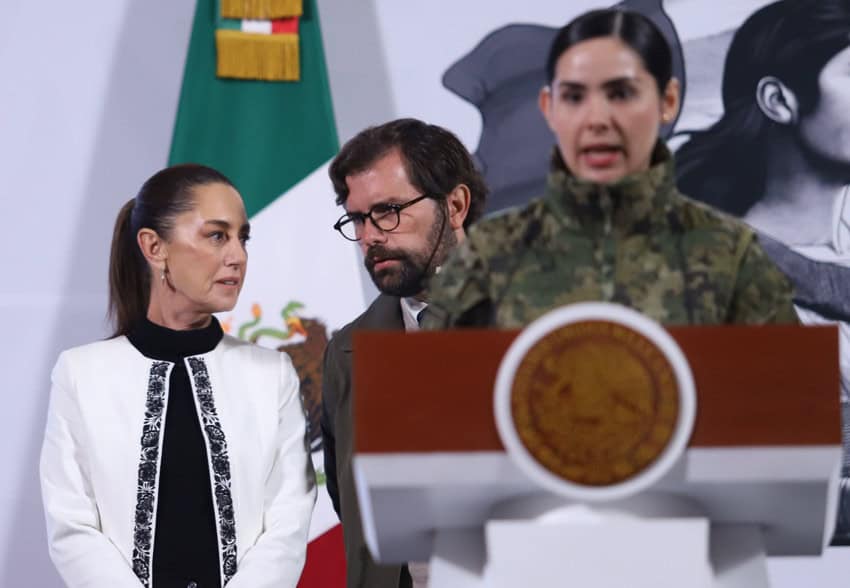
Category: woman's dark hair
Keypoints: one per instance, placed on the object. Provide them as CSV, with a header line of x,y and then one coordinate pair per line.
x,y
632,28
435,160
162,197
790,40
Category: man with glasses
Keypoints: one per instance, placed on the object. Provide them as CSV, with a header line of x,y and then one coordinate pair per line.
x,y
409,190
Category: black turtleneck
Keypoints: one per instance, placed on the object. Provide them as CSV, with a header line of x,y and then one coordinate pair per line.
x,y
186,541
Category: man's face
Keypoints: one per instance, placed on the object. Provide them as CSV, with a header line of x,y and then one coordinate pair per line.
x,y
826,130
399,261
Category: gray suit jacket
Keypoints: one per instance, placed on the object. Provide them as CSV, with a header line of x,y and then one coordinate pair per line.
x,y
384,314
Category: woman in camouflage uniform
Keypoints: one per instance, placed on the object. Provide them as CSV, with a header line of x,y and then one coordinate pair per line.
x,y
611,225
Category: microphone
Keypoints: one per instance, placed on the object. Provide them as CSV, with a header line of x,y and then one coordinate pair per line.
x,y
424,273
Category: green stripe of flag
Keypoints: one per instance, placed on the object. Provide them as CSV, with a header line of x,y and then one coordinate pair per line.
x,y
230,23
265,136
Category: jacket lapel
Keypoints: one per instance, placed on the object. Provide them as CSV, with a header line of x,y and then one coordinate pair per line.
x,y
383,314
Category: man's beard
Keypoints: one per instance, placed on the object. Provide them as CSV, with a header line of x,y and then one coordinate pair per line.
x,y
414,268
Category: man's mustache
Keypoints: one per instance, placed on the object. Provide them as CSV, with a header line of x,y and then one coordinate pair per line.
x,y
377,253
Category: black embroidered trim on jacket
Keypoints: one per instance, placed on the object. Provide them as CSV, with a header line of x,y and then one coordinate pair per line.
x,y
217,449
148,466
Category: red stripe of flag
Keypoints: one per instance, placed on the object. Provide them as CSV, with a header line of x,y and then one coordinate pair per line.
x,y
285,25
325,567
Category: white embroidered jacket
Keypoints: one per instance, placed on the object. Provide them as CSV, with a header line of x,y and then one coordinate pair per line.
x,y
102,449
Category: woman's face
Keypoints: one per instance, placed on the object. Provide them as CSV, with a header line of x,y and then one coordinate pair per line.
x,y
205,253
605,109
826,130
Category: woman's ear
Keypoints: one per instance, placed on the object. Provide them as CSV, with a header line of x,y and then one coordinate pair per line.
x,y
670,101
153,247
544,102
777,101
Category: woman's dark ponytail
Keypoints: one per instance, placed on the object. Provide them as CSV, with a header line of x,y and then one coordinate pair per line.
x,y
129,276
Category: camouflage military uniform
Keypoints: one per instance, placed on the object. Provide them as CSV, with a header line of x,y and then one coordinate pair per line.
x,y
638,242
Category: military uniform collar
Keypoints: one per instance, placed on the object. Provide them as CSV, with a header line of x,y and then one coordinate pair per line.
x,y
629,205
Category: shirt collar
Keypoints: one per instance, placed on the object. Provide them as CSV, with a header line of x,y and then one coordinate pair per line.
x,y
410,309
161,343
841,224
836,248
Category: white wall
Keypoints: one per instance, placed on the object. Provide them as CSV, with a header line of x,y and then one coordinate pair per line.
x,y
88,95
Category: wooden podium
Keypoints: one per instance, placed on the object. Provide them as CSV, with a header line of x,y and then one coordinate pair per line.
x,y
764,455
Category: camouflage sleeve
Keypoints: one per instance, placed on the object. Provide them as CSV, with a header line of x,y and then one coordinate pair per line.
x,y
459,295
762,293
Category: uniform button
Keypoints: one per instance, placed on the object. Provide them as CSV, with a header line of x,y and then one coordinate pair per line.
x,y
192,585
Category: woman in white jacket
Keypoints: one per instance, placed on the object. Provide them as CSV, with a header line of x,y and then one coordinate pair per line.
x,y
174,456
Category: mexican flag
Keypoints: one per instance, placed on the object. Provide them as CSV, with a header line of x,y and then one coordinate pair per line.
x,y
274,140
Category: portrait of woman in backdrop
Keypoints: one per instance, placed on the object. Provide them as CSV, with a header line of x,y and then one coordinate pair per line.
x,y
779,157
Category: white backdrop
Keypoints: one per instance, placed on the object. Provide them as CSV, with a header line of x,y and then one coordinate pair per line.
x,y
87,100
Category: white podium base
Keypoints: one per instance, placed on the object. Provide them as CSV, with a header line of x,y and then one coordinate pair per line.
x,y
594,550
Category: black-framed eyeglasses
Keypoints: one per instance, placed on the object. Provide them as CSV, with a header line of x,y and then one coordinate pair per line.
x,y
384,217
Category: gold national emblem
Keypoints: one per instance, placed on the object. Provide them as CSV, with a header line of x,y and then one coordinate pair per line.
x,y
595,402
